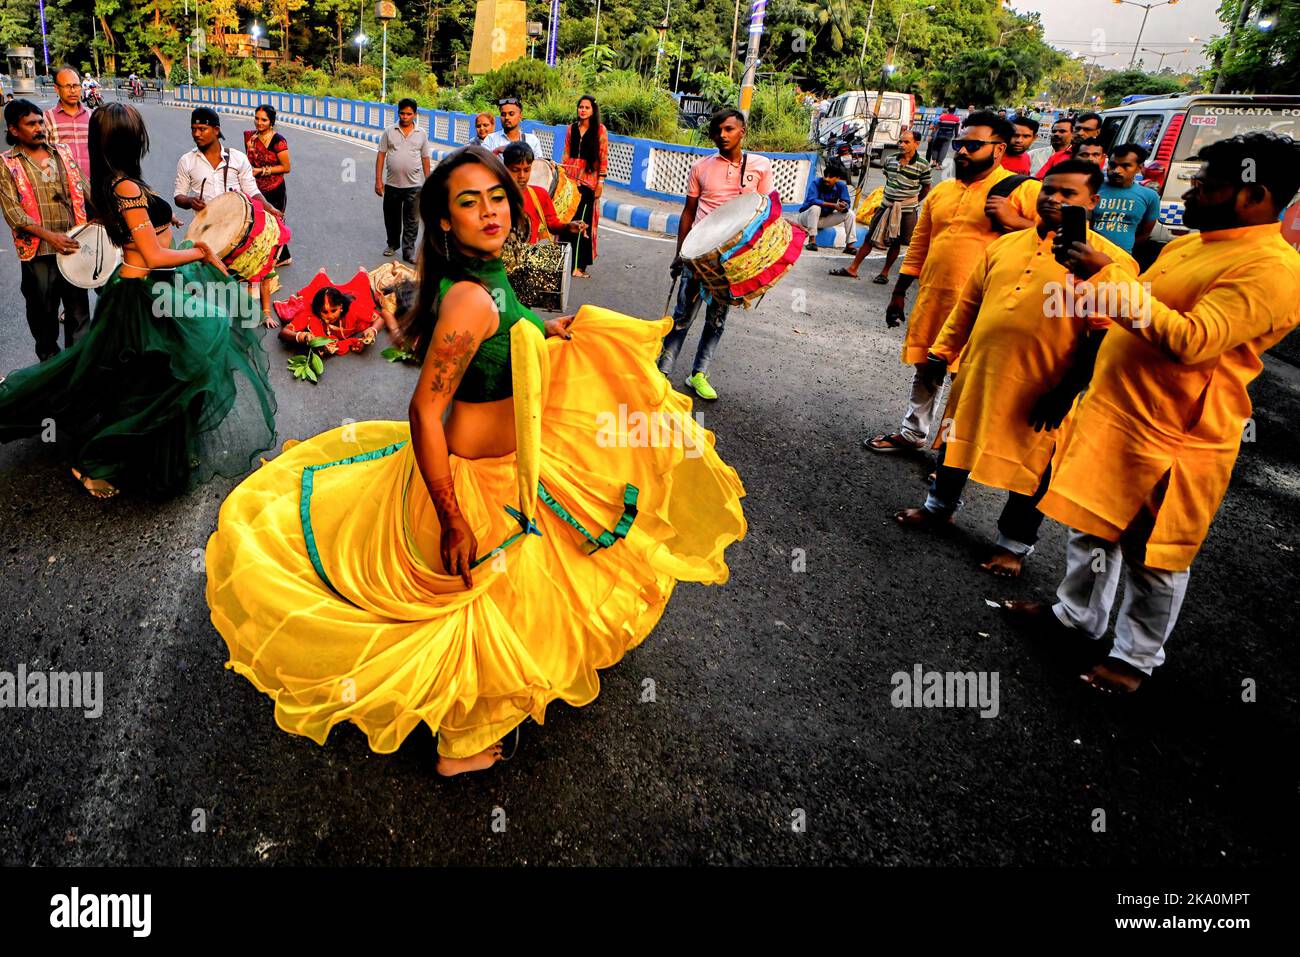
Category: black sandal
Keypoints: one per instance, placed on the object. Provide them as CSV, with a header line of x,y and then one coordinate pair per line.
x,y
881,279
842,272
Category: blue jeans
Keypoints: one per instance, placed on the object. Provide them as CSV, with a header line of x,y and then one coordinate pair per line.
x,y
688,304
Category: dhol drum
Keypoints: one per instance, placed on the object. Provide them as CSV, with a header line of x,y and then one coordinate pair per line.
x,y
558,185
741,249
539,273
95,259
242,233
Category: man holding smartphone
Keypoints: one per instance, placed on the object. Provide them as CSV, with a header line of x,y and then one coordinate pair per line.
x,y
1026,354
825,205
1151,446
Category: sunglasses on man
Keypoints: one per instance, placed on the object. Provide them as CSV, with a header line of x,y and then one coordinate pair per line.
x,y
972,146
509,101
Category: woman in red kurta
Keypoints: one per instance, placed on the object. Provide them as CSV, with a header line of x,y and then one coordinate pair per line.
x,y
586,160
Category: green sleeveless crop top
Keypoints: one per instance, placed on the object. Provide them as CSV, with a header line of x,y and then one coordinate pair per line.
x,y
487,378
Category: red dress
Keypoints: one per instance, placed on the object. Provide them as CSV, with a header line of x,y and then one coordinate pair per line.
x,y
587,177
296,314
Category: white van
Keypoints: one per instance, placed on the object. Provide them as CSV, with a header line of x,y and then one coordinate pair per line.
x,y
853,109
1173,129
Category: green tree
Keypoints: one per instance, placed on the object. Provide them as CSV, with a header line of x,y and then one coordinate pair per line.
x,y
1116,86
1264,60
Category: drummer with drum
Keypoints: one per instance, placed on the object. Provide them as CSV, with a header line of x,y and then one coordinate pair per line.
x,y
211,169
713,181
43,194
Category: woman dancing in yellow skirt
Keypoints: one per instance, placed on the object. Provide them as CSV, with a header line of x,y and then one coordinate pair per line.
x,y
467,573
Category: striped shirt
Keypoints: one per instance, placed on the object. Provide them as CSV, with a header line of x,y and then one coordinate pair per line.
x,y
904,181
73,130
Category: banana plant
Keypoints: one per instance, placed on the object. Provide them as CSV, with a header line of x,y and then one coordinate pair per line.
x,y
309,367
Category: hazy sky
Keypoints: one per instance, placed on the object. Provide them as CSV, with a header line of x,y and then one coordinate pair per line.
x,y
1074,24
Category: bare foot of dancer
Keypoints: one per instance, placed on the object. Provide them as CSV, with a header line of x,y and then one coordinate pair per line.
x,y
1114,676
448,767
921,518
96,487
1004,563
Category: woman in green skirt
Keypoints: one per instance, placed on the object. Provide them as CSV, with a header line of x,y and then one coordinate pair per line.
x,y
169,385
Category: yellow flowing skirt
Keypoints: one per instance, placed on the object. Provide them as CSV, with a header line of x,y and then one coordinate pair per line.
x,y
324,581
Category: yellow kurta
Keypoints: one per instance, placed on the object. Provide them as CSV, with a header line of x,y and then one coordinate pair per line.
x,y
1015,332
951,235
1168,397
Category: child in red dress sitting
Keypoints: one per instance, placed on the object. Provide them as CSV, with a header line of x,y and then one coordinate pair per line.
x,y
345,315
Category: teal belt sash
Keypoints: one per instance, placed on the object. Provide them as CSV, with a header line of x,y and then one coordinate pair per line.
x,y
526,526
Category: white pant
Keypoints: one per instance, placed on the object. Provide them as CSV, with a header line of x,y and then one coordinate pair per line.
x,y
814,218
1152,599
920,408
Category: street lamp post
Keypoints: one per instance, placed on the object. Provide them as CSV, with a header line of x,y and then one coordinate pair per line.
x,y
1090,71
886,70
757,11
735,22
1146,12
361,30
659,49
871,13
1014,29
1160,64
1182,60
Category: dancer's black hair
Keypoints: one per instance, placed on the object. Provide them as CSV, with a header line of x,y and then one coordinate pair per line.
x,y
117,142
440,255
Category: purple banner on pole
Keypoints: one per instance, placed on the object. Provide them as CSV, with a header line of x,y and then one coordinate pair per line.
x,y
45,44
552,31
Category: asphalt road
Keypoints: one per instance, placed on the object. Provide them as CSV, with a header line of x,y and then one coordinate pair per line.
x,y
772,693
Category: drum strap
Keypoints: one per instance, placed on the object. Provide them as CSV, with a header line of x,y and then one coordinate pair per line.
x,y
225,176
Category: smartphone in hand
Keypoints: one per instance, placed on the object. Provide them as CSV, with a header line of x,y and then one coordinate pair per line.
x,y
1074,228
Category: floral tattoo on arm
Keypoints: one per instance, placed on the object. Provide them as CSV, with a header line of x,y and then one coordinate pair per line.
x,y
448,361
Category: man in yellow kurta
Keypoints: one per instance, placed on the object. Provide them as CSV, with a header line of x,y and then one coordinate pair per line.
x,y
958,220
1152,444
1025,355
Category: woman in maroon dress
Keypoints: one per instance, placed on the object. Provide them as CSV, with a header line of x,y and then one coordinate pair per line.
x,y
269,154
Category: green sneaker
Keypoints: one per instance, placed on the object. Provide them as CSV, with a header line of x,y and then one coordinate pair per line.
x,y
700,384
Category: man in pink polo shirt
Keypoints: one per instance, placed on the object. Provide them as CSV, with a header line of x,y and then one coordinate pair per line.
x,y
713,180
68,122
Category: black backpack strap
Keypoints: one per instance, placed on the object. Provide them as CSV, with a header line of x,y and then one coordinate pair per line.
x,y
1005,187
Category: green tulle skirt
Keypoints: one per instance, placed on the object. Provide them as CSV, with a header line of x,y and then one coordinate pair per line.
x,y
165,389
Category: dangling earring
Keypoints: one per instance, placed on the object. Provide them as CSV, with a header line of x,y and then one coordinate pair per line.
x,y
445,253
